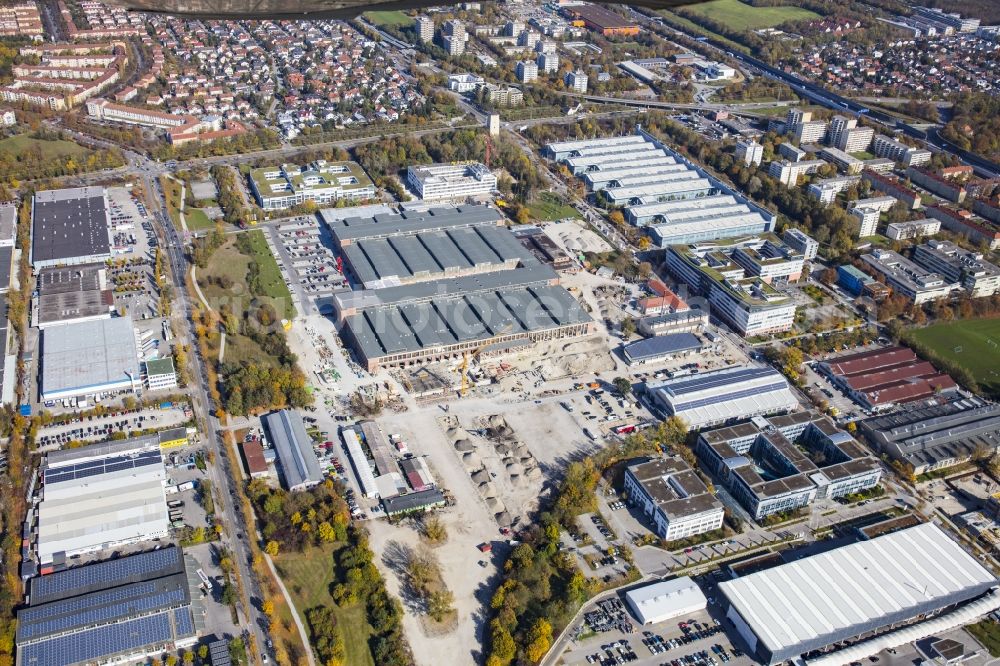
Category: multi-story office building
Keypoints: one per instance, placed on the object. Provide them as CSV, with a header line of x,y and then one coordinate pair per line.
x,y
748,304
576,81
907,278
527,71
322,182
976,275
778,464
673,498
749,152
451,181
799,240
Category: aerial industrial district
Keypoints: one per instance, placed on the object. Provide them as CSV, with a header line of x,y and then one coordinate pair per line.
x,y
321,349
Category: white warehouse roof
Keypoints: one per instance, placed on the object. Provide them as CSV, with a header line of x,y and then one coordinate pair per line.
x,y
664,600
842,593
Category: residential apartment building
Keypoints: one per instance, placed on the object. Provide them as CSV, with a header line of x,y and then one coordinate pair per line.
x,y
893,187
826,190
425,28
884,146
576,81
809,132
527,71
963,222
547,62
935,184
902,231
844,162
454,37
788,172
749,152
867,220
673,498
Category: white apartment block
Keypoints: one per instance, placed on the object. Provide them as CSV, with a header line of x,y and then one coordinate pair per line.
x,y
788,172
913,229
435,182
867,220
749,152
576,81
547,62
527,71
809,132
889,148
425,29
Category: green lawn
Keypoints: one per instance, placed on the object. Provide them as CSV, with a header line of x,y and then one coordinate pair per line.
x,y
270,276
549,207
197,220
22,143
741,16
973,344
987,632
863,155
308,577
396,18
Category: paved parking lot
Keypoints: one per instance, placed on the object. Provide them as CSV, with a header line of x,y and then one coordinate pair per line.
x,y
100,428
698,643
304,249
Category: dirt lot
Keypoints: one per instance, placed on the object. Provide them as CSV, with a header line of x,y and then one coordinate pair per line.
x,y
574,237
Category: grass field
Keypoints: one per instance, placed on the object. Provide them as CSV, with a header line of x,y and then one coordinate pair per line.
x,y
270,275
973,344
22,143
987,632
308,576
740,16
396,18
197,220
548,207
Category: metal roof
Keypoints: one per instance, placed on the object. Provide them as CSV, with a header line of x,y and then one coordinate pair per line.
x,y
842,593
109,573
299,465
89,356
665,208
382,224
662,345
666,599
70,223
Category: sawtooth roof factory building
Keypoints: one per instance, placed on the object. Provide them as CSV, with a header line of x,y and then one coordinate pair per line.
x,y
70,226
937,435
121,610
100,496
773,465
440,319
859,592
719,396
415,246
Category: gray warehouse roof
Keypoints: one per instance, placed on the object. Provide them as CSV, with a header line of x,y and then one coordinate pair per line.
x,y
434,252
89,355
294,447
662,345
71,223
493,307
861,587
382,225
73,292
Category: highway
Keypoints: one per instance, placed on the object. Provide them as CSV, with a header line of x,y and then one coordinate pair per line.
x,y
832,100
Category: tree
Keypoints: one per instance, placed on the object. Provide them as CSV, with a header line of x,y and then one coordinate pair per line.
x,y
433,529
539,639
502,646
439,604
622,385
628,327
326,532
267,607
272,548
616,218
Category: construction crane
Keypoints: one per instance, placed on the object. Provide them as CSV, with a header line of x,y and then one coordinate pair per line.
x,y
468,356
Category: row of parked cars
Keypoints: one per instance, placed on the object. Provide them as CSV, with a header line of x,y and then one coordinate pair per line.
x,y
619,652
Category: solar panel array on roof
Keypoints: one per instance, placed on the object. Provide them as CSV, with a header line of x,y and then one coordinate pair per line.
x,y
219,653
102,466
110,639
110,573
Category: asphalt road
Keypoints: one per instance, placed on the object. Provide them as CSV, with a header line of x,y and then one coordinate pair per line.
x,y
224,477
